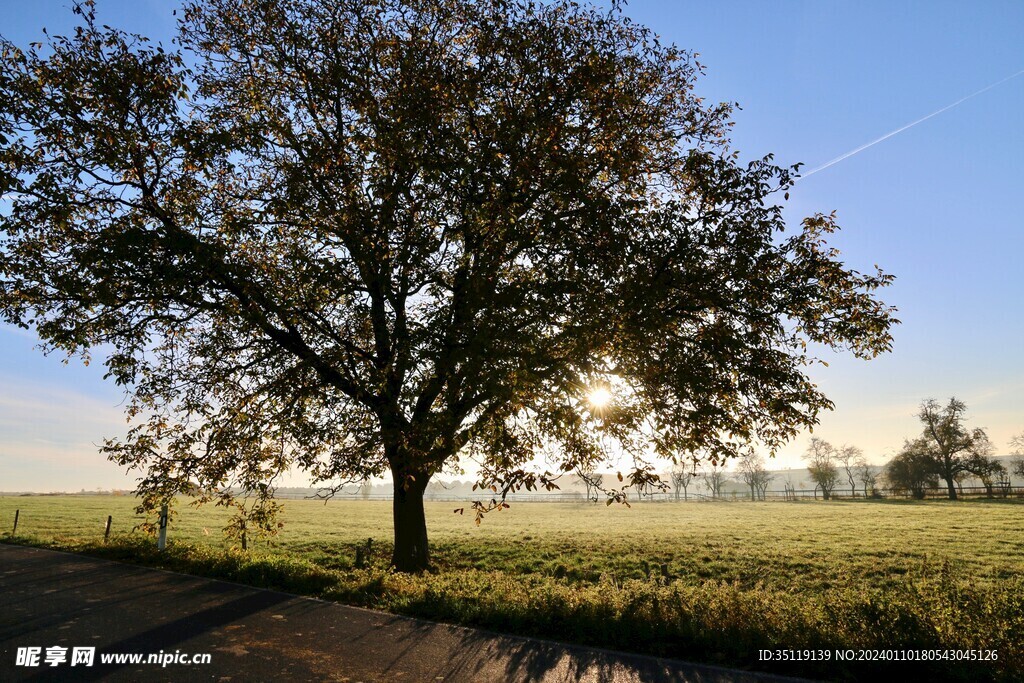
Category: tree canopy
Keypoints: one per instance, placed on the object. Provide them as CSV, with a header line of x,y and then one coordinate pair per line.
x,y
357,236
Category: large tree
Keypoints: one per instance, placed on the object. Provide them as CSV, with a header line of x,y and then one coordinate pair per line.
x,y
352,237
953,447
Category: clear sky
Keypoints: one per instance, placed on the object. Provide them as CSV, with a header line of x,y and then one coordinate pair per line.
x,y
940,205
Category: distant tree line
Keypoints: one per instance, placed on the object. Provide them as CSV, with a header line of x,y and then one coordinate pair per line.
x,y
947,452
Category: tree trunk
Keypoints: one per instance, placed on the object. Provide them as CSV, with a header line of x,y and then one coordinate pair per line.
x,y
951,487
411,551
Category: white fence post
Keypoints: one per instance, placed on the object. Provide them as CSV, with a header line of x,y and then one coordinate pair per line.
x,y
162,538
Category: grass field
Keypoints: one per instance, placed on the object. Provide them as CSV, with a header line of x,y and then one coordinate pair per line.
x,y
713,582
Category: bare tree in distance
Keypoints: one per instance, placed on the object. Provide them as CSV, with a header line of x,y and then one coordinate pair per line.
x,y
1003,483
751,467
681,474
592,482
849,456
1017,444
820,457
867,475
714,478
763,482
748,466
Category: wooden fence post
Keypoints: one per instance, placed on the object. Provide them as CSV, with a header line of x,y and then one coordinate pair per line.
x,y
106,530
16,514
162,539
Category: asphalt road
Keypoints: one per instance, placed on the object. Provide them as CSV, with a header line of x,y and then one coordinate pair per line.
x,y
50,599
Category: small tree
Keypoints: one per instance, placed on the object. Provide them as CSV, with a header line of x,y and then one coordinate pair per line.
x,y
912,470
591,482
1017,444
989,471
821,465
754,475
1003,484
682,474
715,478
867,476
762,483
848,457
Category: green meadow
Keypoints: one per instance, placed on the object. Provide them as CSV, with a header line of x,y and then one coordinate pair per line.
x,y
712,582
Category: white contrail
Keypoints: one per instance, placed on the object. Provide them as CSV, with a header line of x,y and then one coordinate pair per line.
x,y
909,125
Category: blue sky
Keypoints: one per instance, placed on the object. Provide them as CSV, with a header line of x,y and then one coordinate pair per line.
x,y
939,205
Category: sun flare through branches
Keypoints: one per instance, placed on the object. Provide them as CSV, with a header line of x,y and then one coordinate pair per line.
x,y
599,397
